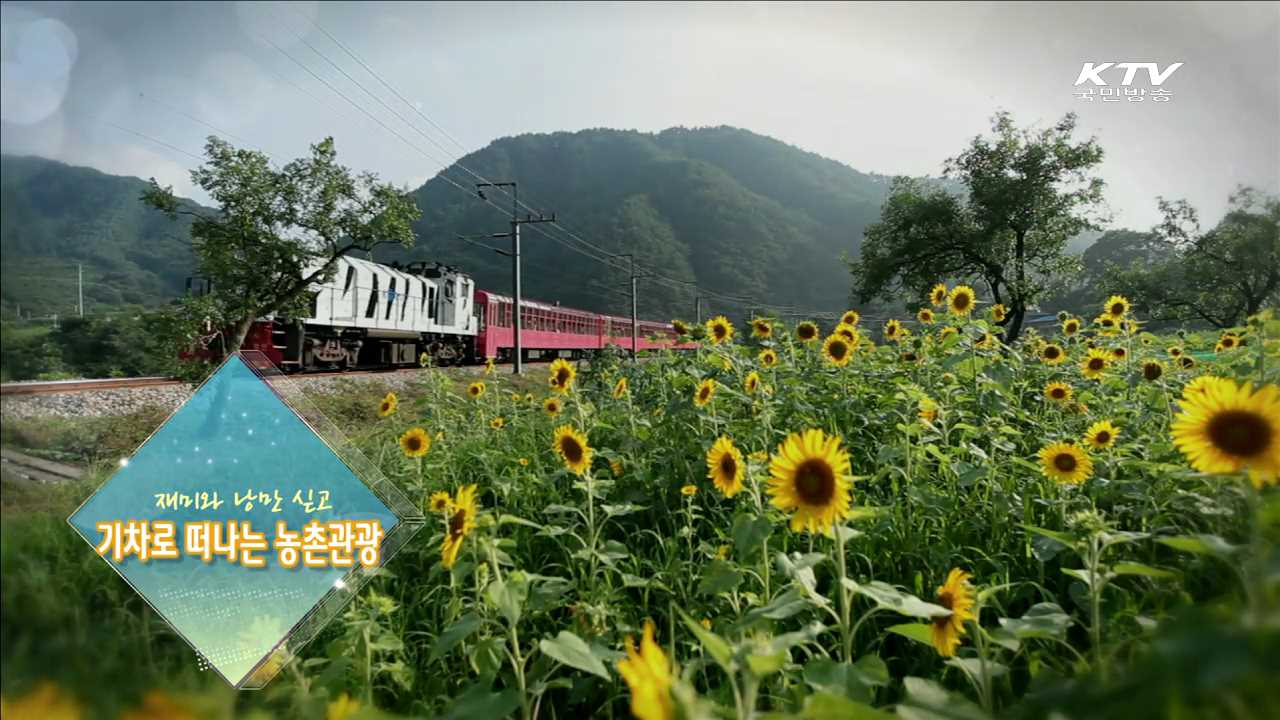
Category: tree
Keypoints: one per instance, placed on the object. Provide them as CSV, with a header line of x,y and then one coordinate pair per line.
x,y
278,231
1026,193
1221,276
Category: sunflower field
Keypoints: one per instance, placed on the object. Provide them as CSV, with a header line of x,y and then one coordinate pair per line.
x,y
911,520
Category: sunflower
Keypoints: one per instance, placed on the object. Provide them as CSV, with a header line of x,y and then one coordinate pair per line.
x,y
846,331
702,395
552,406
909,357
761,328
497,423
725,467
1218,347
810,477
987,340
573,449
1108,324
957,596
424,360
1228,427
998,312
415,442
680,327
1051,354
927,409
925,316
562,375
1070,326
806,331
1065,463
440,502
488,366
946,333
524,462
1116,306
938,295
851,318
475,389
528,397
1119,353
719,329
961,300
648,676
1174,351
388,404
892,329
1095,364
620,388
615,467
1229,341
1101,435
768,358
838,350
752,382
1187,362
1058,392
1200,384
1152,370
462,520
689,490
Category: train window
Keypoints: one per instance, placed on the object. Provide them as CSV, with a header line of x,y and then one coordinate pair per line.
x,y
404,302
422,302
372,306
391,299
351,278
431,302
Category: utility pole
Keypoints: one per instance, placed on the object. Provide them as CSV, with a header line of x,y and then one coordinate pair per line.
x,y
517,361
697,308
635,321
80,287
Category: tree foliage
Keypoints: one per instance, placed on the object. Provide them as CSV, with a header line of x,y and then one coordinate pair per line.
x,y
1027,192
279,230
1219,277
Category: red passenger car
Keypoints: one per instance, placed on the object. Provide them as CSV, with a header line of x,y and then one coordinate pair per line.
x,y
552,330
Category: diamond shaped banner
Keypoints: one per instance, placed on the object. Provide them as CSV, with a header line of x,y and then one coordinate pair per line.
x,y
246,447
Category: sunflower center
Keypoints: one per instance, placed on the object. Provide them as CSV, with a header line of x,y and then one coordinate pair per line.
x,y
728,466
1096,363
1052,352
815,482
562,376
719,331
413,443
457,522
961,302
571,449
1103,437
806,332
1117,308
1240,432
1151,371
1058,393
1064,462
1228,342
838,350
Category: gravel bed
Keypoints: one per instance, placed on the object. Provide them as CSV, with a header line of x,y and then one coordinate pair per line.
x,y
121,401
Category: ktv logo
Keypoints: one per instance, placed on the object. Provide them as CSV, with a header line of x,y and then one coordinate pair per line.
x,y
1092,72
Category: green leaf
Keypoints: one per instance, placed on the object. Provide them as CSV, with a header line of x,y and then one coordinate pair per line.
x,y
785,605
1060,537
508,595
829,706
927,700
1133,568
916,631
1200,545
749,535
712,643
571,650
762,664
513,520
454,634
973,667
855,681
719,577
479,701
1043,620
891,598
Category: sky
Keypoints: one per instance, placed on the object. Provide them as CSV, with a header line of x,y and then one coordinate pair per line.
x,y
892,88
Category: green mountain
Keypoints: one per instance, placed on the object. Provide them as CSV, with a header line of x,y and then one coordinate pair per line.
x,y
56,216
737,213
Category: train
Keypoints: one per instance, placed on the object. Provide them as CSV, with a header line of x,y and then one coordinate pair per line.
x,y
370,315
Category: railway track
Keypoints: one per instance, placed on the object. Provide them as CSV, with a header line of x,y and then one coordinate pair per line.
x,y
25,467
71,386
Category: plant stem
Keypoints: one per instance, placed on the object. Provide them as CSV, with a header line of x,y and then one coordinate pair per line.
x,y
845,629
